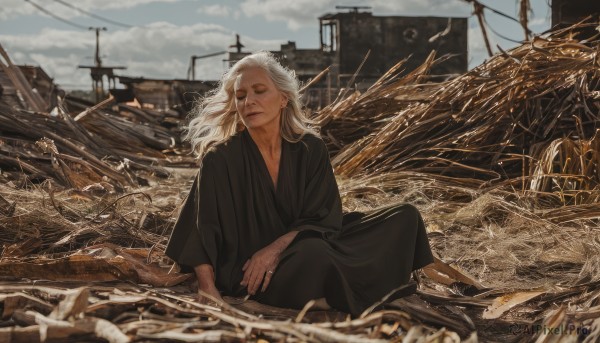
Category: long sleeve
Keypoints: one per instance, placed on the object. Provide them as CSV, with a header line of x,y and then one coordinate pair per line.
x,y
197,235
322,208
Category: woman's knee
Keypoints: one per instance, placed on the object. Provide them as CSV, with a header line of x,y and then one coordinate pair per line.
x,y
313,247
311,254
406,213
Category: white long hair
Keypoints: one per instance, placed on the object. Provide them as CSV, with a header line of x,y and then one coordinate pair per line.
x,y
215,118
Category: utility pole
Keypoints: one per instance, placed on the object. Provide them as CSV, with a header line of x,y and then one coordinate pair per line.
x,y
97,71
238,45
192,66
97,60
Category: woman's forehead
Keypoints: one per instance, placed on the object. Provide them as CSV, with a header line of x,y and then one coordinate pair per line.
x,y
252,76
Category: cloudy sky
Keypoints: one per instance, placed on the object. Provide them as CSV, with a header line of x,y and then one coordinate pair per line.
x,y
155,38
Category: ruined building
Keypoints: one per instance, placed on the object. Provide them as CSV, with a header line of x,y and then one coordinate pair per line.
x,y
161,94
345,39
567,12
35,77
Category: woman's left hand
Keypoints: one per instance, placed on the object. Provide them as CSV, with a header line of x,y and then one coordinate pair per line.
x,y
261,266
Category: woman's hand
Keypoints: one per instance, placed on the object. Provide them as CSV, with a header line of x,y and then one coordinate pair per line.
x,y
261,266
212,292
206,284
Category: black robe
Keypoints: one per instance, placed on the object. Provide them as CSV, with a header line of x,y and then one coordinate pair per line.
x,y
234,210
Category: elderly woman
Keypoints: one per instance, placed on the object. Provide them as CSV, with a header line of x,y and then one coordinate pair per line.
x,y
264,215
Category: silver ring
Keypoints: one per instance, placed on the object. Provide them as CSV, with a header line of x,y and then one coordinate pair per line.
x,y
270,271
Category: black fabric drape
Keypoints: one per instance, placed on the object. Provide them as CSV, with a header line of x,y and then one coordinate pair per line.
x,y
234,210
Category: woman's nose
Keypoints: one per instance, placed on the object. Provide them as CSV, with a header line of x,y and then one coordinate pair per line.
x,y
250,99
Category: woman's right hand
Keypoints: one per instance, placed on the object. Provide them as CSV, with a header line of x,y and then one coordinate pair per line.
x,y
212,292
206,284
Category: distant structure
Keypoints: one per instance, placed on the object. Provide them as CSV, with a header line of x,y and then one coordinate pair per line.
x,y
238,44
192,68
159,94
346,37
42,83
99,72
344,40
38,80
568,12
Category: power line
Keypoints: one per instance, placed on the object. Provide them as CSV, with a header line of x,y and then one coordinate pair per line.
x,y
57,17
497,12
92,14
501,35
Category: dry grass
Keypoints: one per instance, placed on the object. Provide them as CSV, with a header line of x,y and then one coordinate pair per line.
x,y
502,162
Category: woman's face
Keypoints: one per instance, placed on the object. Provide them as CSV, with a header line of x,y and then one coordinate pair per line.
x,y
258,101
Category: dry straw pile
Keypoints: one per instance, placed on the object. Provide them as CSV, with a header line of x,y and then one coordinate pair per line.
x,y
502,162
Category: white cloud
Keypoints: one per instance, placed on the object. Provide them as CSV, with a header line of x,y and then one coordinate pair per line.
x,y
162,50
14,8
159,50
58,67
49,39
542,22
301,13
296,13
420,7
215,10
477,50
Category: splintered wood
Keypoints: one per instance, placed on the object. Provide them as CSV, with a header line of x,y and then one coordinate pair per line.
x,y
113,312
502,162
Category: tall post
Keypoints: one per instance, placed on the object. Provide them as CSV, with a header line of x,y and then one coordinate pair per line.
x,y
331,36
99,83
321,33
97,59
193,68
97,71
